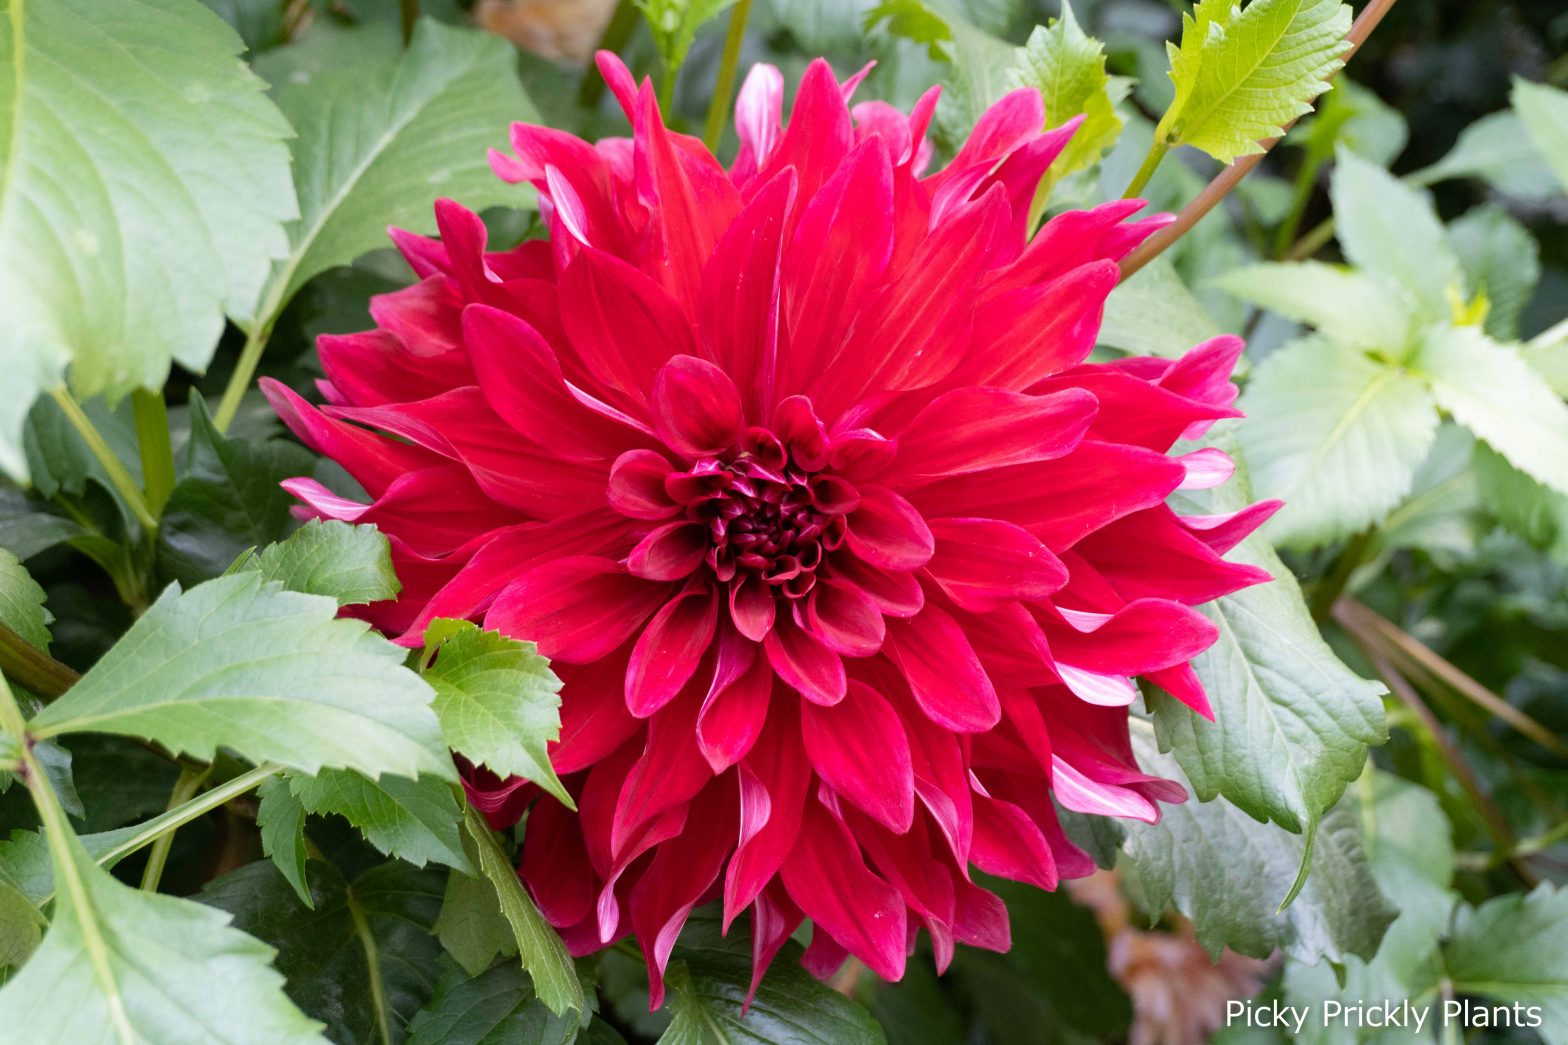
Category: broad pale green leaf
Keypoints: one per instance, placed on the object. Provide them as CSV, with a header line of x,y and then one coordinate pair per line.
x,y
1354,308
280,817
1492,391
413,820
1229,874
1389,228
542,952
120,965
1497,149
144,190
1335,435
1544,112
362,960
1532,511
1441,514
1153,313
228,500
1547,355
498,702
1501,261
1067,67
379,140
1515,948
1291,722
674,24
238,662
1243,73
22,602
492,1008
352,564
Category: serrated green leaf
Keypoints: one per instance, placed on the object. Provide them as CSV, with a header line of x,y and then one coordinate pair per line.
x,y
280,818
1335,435
1492,391
379,140
1353,308
1067,67
1229,874
352,564
674,24
229,499
471,926
1243,73
238,662
498,702
146,183
1497,149
1389,228
1515,949
1544,112
121,965
413,820
22,602
362,960
1153,313
1501,262
542,952
493,1008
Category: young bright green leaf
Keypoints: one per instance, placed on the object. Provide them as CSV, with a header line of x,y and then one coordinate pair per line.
x,y
1335,435
238,662
146,183
379,140
1544,111
543,954
1390,229
1493,392
498,703
1514,948
1067,67
1501,262
22,602
674,24
123,966
498,1005
362,960
1358,309
280,817
413,820
352,564
1243,73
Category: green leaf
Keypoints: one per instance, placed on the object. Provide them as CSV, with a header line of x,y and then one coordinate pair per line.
x,y
1497,149
352,564
912,20
280,817
378,140
1067,67
1492,391
121,965
22,602
228,500
27,527
1229,874
1544,112
1351,115
1390,229
1515,949
21,925
674,25
1500,260
238,662
493,1008
146,183
1520,503
498,702
362,960
1291,722
1358,309
1153,313
1243,73
1335,435
543,954
471,926
413,820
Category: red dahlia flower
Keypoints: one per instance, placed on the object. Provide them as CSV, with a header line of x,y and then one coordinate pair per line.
x,y
797,473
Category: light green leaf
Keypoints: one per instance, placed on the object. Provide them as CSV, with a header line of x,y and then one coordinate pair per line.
x,y
1544,111
1547,355
1067,67
1153,313
1229,874
1351,115
490,1008
1500,260
1243,73
1492,391
352,564
144,190
120,965
1497,149
1515,948
914,21
1389,228
413,820
674,24
379,140
1291,722
498,702
1335,435
1358,309
280,817
543,954
22,602
238,662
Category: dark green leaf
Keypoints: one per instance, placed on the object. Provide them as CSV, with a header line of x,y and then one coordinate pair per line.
x,y
413,820
280,817
498,1007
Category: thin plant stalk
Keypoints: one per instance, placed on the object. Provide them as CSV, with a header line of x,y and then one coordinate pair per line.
x,y
152,435
112,465
184,790
729,65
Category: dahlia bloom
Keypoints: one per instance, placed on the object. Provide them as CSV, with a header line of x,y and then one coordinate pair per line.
x,y
796,471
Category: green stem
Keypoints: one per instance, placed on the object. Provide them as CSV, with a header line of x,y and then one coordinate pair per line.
x,y
617,34
408,13
1313,241
123,483
667,92
152,434
32,667
184,790
378,991
239,381
1306,181
719,107
1151,163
